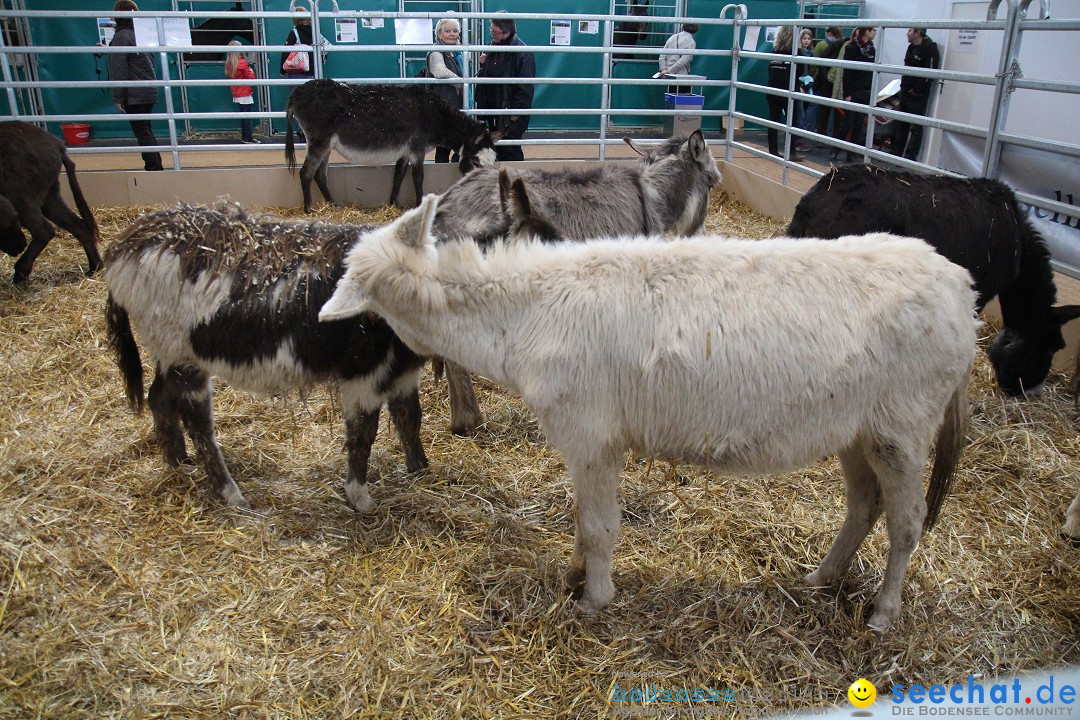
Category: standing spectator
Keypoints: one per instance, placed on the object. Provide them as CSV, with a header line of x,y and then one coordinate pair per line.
x,y
134,100
854,86
915,92
828,48
236,68
446,64
780,78
806,112
674,61
509,96
300,35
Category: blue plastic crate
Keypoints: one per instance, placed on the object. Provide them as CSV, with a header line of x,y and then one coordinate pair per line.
x,y
682,100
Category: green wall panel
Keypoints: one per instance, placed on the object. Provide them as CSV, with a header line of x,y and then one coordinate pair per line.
x,y
78,68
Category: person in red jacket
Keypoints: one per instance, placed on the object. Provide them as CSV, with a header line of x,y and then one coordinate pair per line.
x,y
236,68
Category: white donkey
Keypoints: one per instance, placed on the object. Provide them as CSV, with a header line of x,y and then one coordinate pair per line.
x,y
751,356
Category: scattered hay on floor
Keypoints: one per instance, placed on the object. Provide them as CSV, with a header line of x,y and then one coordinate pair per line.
x,y
126,590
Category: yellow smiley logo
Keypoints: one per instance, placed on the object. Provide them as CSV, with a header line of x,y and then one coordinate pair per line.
x,y
862,693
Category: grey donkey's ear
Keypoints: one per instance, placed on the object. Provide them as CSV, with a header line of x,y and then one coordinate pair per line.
x,y
414,227
504,192
697,146
519,203
635,147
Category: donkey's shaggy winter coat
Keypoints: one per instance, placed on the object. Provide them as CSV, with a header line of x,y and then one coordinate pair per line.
x,y
667,192
750,356
217,291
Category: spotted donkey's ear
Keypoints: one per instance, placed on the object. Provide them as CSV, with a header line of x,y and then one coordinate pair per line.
x,y
414,227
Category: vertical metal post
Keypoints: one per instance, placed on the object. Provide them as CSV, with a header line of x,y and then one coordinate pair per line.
x,y
868,141
5,65
1003,88
738,16
605,89
167,89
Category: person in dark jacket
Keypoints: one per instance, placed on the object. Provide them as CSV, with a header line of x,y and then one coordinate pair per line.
x,y
300,35
509,96
780,78
134,66
915,92
854,86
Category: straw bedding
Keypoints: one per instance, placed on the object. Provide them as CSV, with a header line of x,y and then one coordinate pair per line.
x,y
128,591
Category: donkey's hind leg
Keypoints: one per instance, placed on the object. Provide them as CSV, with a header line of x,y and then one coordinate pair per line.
x,y
318,155
898,464
399,175
193,393
863,496
56,209
163,405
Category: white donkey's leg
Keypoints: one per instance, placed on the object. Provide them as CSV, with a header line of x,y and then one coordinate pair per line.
x,y
899,465
596,513
1072,519
863,508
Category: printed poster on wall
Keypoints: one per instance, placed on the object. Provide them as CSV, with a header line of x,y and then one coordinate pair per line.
x,y
106,28
177,32
345,30
560,32
964,41
413,31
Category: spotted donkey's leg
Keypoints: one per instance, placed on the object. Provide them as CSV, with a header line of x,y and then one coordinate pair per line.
x,y
362,403
404,407
192,392
170,436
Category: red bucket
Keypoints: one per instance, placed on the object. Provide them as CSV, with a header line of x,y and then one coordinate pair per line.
x,y
76,133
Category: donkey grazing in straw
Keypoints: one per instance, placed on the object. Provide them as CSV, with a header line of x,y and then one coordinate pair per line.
x,y
218,291
378,124
667,192
697,350
976,223
30,160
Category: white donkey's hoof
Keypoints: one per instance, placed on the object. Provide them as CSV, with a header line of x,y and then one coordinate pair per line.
x,y
234,498
882,620
820,578
358,496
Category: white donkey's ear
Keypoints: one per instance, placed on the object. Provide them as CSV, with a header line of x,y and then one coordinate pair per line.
x,y
634,146
347,301
414,227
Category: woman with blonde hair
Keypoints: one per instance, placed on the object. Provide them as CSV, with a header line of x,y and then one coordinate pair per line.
x,y
445,64
236,68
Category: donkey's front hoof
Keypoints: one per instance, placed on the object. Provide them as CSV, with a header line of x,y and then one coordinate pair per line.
x,y
358,496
